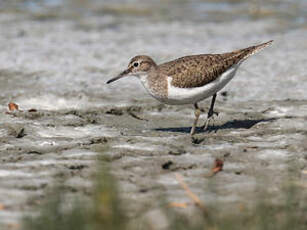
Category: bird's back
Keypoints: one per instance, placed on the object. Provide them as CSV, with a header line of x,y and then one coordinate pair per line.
x,y
199,70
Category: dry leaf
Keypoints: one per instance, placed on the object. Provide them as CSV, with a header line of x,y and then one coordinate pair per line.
x,y
242,208
218,166
12,106
2,207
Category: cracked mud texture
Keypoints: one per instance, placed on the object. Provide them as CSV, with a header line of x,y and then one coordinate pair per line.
x,y
58,63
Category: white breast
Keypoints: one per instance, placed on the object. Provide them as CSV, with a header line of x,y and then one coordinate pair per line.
x,y
179,96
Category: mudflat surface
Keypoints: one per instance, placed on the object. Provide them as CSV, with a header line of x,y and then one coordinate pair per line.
x,y
57,63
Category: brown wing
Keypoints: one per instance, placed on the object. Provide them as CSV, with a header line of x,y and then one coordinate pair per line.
x,y
198,70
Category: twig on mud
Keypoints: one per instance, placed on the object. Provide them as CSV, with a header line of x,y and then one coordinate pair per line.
x,y
179,205
190,194
135,116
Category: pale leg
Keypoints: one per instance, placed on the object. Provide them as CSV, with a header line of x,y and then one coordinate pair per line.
x,y
210,113
197,114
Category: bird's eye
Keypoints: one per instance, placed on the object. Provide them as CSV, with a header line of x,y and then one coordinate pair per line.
x,y
135,64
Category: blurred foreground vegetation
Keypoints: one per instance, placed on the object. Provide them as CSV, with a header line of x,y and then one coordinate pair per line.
x,y
105,210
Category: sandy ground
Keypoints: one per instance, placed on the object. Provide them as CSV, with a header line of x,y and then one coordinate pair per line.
x,y
59,66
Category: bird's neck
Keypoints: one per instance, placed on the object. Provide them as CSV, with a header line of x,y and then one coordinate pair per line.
x,y
154,83
149,76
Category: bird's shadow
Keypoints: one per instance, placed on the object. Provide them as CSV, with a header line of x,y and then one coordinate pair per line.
x,y
234,124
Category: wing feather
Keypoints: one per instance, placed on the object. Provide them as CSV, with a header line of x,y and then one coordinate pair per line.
x,y
199,70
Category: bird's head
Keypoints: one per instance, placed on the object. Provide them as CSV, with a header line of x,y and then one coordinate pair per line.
x,y
138,66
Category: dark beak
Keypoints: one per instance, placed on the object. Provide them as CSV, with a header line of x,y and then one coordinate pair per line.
x,y
121,75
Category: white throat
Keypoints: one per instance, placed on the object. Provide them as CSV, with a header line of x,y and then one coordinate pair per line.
x,y
143,78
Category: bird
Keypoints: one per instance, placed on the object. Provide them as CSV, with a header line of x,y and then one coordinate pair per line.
x,y
189,79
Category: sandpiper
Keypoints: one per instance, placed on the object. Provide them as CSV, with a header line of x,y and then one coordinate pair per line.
x,y
189,79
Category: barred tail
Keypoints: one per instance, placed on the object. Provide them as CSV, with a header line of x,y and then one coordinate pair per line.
x,y
238,56
247,52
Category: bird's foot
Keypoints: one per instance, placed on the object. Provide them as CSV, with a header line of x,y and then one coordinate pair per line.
x,y
209,119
